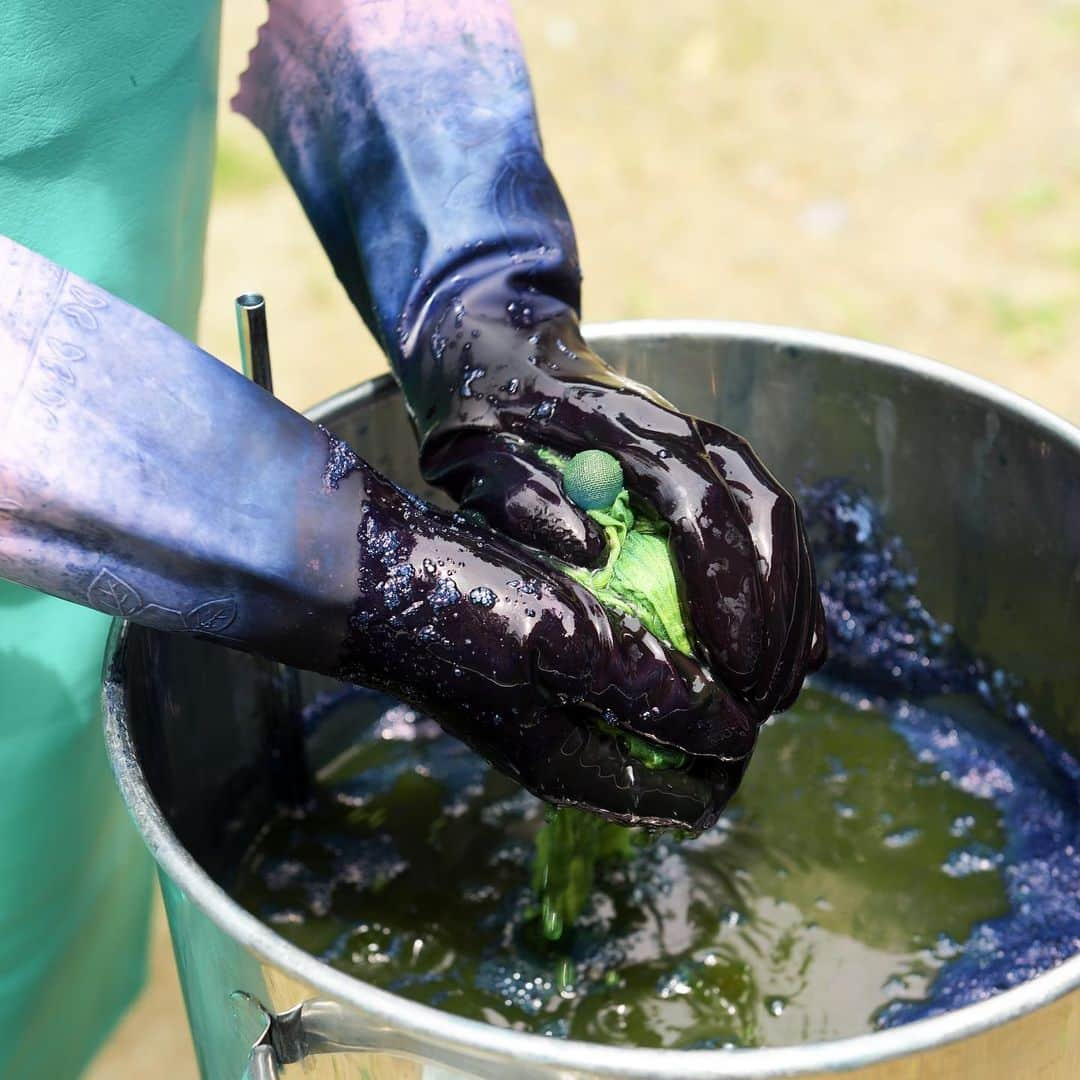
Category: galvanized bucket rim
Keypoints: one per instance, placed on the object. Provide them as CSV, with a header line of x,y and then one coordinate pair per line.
x,y
432,1028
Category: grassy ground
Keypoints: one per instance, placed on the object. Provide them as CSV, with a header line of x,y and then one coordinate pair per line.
x,y
899,170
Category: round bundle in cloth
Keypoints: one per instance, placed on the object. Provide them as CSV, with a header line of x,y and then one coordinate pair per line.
x,y
637,577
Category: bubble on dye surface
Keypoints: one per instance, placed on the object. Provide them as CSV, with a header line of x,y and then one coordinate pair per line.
x,y
968,861
445,593
482,597
901,838
519,985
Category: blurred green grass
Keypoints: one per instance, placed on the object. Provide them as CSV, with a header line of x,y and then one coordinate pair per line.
x,y
238,174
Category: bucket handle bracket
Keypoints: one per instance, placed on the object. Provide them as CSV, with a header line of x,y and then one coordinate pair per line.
x,y
313,1027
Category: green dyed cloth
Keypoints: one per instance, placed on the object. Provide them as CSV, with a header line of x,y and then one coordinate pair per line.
x,y
106,150
568,848
638,578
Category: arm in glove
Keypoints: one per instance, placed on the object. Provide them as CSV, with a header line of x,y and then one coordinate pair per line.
x,y
142,477
409,133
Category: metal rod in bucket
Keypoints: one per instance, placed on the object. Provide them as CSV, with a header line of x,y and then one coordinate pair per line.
x,y
254,341
281,702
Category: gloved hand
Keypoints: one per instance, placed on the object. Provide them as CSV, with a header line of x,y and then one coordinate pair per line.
x,y
530,380
527,668
141,477
410,136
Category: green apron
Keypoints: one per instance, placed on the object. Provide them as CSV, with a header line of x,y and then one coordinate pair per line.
x,y
107,115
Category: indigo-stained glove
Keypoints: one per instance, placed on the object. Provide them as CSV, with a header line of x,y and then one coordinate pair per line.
x,y
144,478
408,131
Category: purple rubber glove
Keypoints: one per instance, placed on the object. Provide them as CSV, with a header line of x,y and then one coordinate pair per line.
x,y
409,133
144,478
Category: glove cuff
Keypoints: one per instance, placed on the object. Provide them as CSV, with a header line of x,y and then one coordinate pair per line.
x,y
410,136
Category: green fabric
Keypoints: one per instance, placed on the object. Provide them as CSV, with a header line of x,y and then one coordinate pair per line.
x,y
638,578
568,848
106,148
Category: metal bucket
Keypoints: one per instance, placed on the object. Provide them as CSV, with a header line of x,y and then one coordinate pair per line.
x,y
983,488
